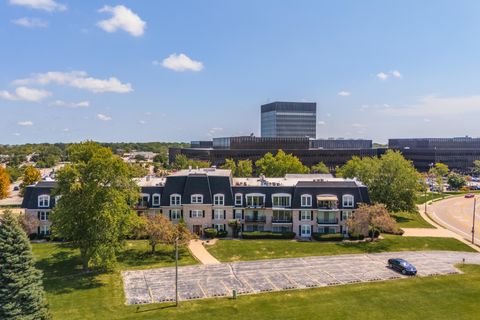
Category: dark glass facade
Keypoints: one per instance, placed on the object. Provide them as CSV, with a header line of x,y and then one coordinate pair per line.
x,y
340,144
289,119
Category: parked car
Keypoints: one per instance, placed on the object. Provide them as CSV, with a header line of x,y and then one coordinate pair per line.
x,y
402,266
469,195
16,188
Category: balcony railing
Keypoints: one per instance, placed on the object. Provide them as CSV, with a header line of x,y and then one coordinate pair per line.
x,y
255,218
327,221
281,220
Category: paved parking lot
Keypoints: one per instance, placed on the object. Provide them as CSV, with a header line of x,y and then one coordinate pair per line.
x,y
249,277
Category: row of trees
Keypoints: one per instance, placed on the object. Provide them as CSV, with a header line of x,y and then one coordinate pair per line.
x,y
30,176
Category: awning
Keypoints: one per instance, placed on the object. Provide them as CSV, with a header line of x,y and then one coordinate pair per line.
x,y
327,197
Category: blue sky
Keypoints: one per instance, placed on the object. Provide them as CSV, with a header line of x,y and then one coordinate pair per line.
x,y
188,70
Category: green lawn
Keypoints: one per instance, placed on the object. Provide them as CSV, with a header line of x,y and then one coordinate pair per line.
x,y
100,297
74,295
410,220
430,196
237,250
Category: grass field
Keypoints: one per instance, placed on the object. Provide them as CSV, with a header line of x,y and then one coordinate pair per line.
x,y
75,296
237,250
430,196
410,220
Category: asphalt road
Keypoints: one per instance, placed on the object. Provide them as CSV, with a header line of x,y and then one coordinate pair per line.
x,y
456,214
250,277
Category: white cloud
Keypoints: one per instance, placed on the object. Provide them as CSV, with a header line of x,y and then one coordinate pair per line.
x,y
61,103
396,74
25,94
124,19
66,130
382,76
77,79
358,125
426,120
321,122
344,93
213,131
16,134
433,106
31,22
180,62
26,123
103,117
142,121
46,5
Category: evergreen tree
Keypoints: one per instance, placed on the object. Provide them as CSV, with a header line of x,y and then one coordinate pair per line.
x,y
21,290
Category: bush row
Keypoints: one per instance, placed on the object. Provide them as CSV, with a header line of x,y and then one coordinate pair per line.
x,y
327,236
267,235
211,233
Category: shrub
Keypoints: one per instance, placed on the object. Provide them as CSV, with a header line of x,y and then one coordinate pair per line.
x,y
267,235
222,233
327,236
210,233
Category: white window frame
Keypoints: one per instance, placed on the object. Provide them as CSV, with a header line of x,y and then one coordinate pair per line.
x,y
145,195
197,213
217,214
306,200
43,201
43,216
219,199
175,200
254,195
238,196
237,212
197,197
154,197
348,201
282,195
176,214
305,217
219,226
44,229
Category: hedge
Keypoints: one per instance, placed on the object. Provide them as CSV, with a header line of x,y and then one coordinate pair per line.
x,y
222,233
210,233
267,235
327,236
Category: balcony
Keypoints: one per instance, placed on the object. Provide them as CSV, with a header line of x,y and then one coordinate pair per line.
x,y
327,221
255,218
281,220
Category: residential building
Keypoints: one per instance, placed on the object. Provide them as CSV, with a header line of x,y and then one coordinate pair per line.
x,y
289,119
210,197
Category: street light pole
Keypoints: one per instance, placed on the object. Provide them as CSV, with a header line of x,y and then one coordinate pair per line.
x,y
473,223
176,272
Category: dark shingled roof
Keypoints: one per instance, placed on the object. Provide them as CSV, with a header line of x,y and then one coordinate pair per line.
x,y
30,198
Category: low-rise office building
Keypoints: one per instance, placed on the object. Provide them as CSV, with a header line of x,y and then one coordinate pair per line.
x,y
211,198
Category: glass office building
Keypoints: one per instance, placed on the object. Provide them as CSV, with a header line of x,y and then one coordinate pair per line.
x,y
289,119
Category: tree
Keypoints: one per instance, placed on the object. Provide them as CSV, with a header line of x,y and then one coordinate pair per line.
x,y
229,165
320,168
158,229
182,162
94,212
391,179
236,226
14,172
21,290
439,171
4,183
244,168
456,181
476,166
371,220
280,164
182,233
30,176
137,170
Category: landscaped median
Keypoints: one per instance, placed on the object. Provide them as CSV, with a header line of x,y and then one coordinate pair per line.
x,y
238,250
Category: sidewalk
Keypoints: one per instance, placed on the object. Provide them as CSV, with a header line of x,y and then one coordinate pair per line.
x,y
200,253
439,231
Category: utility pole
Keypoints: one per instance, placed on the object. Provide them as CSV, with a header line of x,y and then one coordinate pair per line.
x,y
473,223
176,272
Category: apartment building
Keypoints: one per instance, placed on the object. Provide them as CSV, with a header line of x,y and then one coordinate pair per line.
x,y
211,197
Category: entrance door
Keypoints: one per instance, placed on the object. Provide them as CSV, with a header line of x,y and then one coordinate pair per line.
x,y
197,229
305,231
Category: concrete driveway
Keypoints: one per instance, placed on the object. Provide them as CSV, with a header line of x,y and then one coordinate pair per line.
x,y
456,214
250,277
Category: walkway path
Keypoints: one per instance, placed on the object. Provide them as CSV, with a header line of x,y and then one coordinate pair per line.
x,y
198,251
250,277
438,231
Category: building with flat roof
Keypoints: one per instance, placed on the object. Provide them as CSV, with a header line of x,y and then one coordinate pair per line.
x,y
289,119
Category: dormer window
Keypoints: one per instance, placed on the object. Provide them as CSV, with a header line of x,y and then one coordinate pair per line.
x,y
347,201
238,199
44,201
306,200
156,200
196,198
281,200
218,200
143,201
175,200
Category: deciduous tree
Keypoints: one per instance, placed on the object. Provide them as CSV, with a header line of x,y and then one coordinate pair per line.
x,y
158,229
320,168
21,290
95,211
371,220
4,183
280,164
30,176
244,168
456,181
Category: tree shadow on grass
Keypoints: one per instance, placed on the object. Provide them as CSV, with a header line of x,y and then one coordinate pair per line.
x,y
402,219
70,283
137,258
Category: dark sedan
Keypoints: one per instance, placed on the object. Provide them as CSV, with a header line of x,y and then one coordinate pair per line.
x,y
402,266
